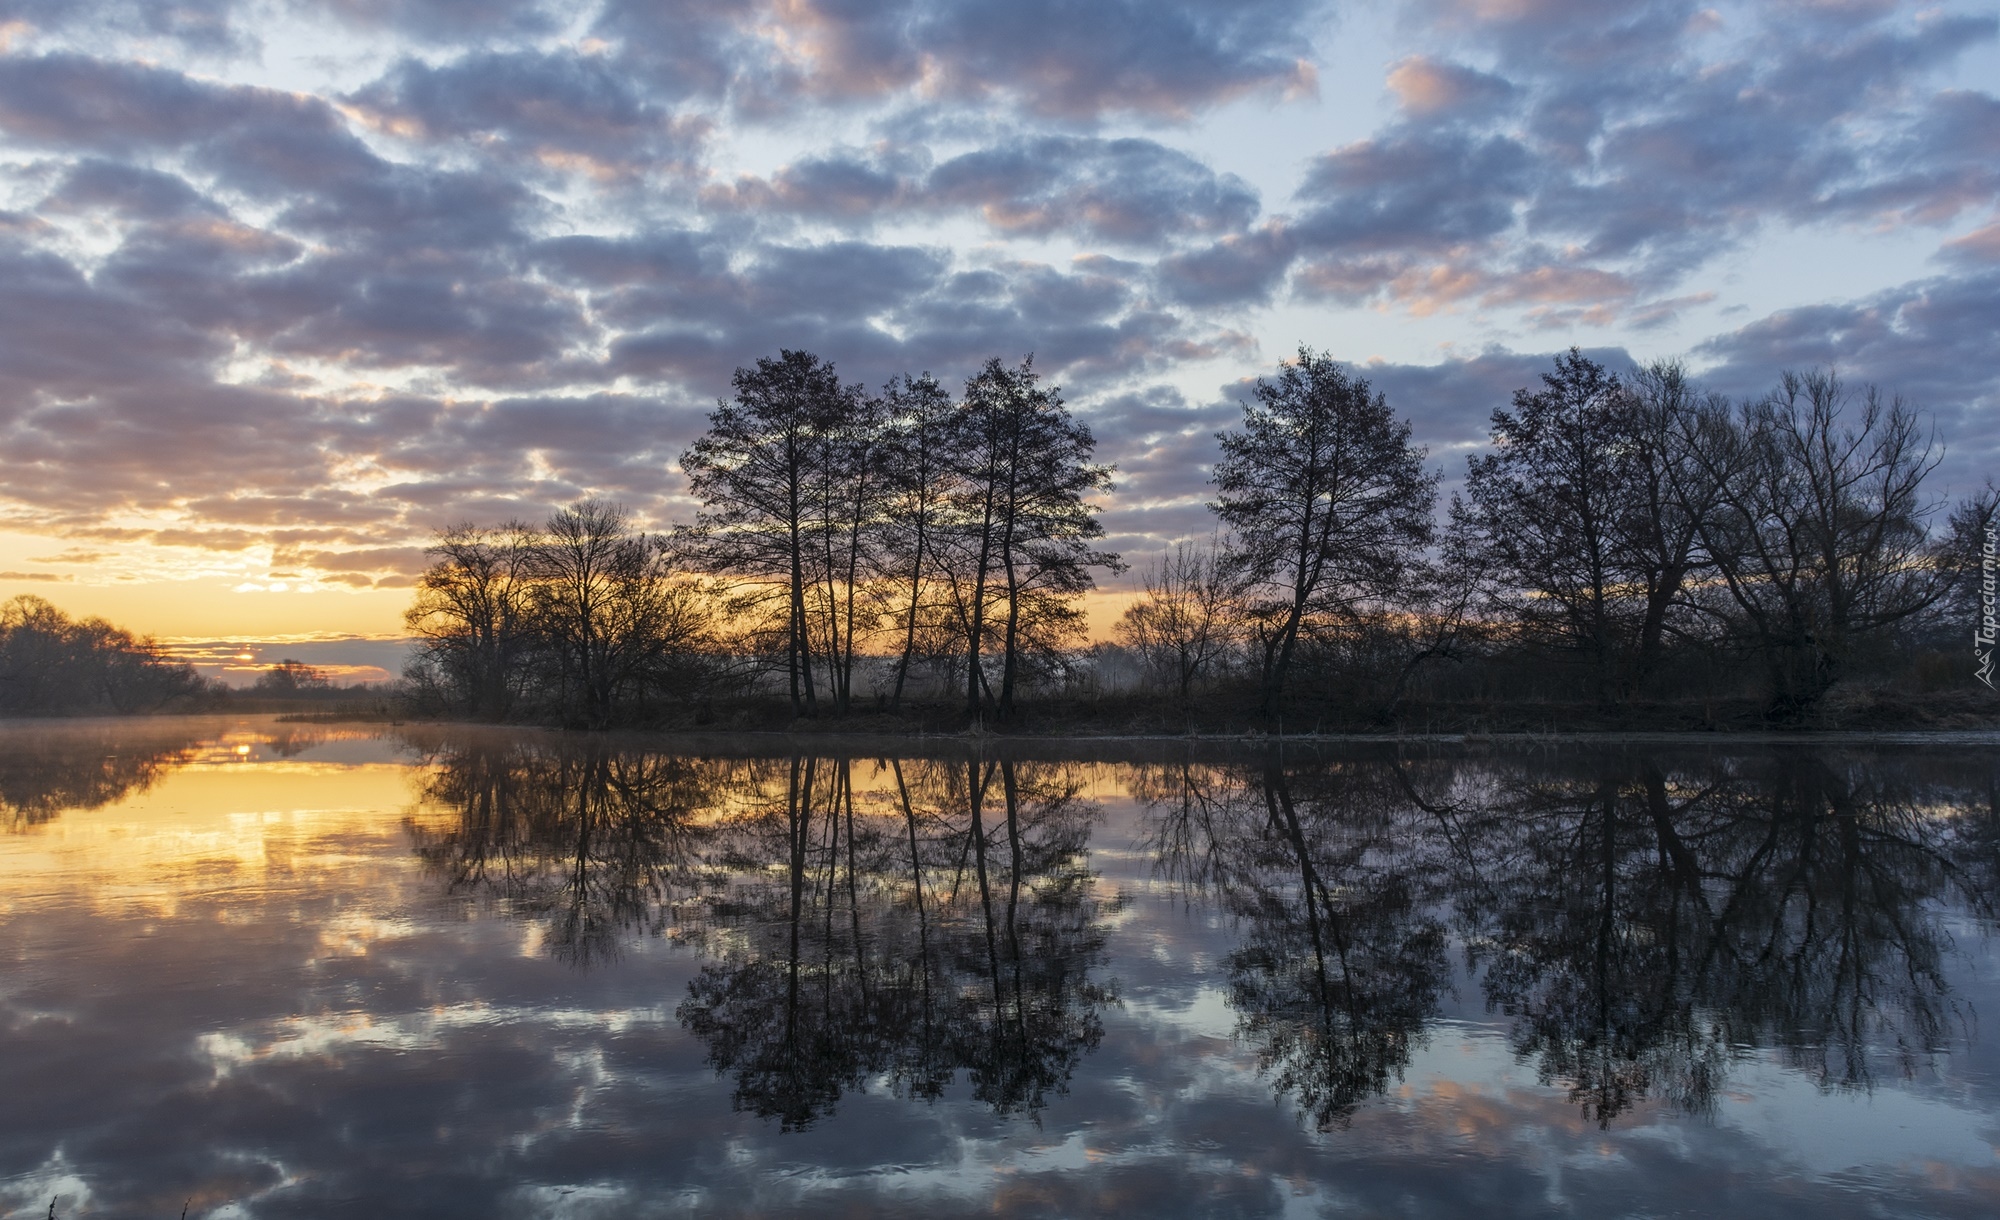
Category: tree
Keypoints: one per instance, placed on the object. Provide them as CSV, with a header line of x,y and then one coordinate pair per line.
x,y
1966,559
847,494
611,614
1184,623
1587,514
470,617
919,468
1820,529
1658,543
1327,502
1025,470
754,472
291,678
1547,507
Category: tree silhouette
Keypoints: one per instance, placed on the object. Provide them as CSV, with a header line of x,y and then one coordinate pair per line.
x,y
1327,504
1024,473
762,474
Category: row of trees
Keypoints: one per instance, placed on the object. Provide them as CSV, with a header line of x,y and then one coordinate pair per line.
x,y
54,664
1616,525
952,535
963,525
1615,517
579,618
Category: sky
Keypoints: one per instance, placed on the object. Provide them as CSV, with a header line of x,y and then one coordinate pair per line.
x,y
285,286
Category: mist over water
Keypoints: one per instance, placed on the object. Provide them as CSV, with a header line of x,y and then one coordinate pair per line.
x,y
282,970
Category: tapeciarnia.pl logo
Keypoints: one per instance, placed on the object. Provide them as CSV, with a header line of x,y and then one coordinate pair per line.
x,y
1989,623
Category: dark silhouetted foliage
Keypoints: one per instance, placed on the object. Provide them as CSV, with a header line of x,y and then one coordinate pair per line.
x,y
52,664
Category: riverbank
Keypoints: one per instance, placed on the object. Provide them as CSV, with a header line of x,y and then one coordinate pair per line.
x,y
1235,714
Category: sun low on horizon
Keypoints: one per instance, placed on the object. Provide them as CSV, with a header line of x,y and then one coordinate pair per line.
x,y
287,287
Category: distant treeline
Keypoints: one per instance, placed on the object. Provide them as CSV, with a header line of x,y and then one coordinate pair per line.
x,y
52,663
55,665
1628,540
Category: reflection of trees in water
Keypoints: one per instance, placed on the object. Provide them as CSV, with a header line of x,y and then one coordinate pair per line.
x,y
938,920
1641,922
594,843
1660,920
945,925
46,771
1341,963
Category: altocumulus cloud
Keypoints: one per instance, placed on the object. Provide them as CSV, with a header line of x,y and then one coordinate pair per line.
x,y
406,262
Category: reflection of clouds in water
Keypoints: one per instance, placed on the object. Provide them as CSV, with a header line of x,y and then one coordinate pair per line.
x,y
378,1037
328,1036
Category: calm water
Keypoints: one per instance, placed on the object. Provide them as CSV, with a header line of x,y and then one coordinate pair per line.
x,y
285,971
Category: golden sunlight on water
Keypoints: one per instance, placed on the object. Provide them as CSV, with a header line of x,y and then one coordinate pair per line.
x,y
230,824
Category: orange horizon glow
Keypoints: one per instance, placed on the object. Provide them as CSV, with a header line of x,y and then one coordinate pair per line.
x,y
175,612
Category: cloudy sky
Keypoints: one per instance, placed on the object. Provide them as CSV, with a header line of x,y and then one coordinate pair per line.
x,y
287,284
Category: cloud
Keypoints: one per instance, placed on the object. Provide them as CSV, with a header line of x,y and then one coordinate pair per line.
x,y
74,102
62,337
1241,268
1982,245
1674,166
562,113
1432,88
1126,192
1413,191
202,26
447,21
1930,341
1163,60
1602,162
133,191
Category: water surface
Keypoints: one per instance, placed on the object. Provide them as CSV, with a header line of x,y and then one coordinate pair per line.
x,y
273,970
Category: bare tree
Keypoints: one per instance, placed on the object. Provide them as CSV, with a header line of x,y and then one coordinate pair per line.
x,y
1436,618
1658,548
470,617
1327,501
1546,504
292,677
1972,576
1184,622
50,662
1586,515
1820,530
848,492
609,609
